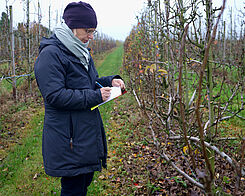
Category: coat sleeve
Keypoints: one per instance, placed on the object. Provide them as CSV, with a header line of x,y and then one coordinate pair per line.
x,y
50,76
107,80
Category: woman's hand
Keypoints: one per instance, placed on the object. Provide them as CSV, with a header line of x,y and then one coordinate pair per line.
x,y
118,82
105,93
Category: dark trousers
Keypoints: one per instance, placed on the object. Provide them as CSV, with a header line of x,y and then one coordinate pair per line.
x,y
76,185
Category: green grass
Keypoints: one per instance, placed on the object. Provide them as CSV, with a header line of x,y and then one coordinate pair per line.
x,y
110,66
6,85
112,63
225,95
22,172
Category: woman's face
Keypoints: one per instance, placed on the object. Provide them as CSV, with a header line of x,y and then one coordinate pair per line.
x,y
84,35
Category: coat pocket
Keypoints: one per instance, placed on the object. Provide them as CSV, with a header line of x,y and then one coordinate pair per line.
x,y
85,149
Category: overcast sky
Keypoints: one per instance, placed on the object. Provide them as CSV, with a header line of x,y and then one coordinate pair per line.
x,y
115,17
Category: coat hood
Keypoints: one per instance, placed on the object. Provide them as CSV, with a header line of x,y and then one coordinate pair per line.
x,y
53,40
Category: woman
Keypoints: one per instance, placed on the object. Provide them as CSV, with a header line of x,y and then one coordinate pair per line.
x,y
74,141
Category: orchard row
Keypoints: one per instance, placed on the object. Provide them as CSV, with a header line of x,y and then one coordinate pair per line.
x,y
186,66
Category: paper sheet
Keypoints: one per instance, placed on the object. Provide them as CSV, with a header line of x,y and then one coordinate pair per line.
x,y
115,92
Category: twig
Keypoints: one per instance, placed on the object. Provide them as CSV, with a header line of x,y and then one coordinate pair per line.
x,y
226,138
156,143
1,78
170,108
10,77
158,115
145,61
234,114
232,96
136,97
163,98
195,61
216,62
192,98
4,61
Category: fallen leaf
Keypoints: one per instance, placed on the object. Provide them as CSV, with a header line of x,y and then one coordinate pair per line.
x,y
185,148
35,176
102,177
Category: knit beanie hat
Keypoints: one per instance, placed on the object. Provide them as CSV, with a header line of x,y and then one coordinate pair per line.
x,y
80,15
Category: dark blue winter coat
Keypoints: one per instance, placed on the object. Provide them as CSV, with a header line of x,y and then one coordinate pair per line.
x,y
74,140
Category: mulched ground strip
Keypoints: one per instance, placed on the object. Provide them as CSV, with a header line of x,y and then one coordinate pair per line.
x,y
14,118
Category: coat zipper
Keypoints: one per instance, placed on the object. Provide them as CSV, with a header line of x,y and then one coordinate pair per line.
x,y
71,143
71,133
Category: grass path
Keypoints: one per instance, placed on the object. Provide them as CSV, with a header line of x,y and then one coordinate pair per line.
x,y
22,172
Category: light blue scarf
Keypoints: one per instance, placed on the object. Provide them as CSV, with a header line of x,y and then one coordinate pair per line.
x,y
78,48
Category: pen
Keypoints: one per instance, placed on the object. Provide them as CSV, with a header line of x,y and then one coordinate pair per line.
x,y
98,84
